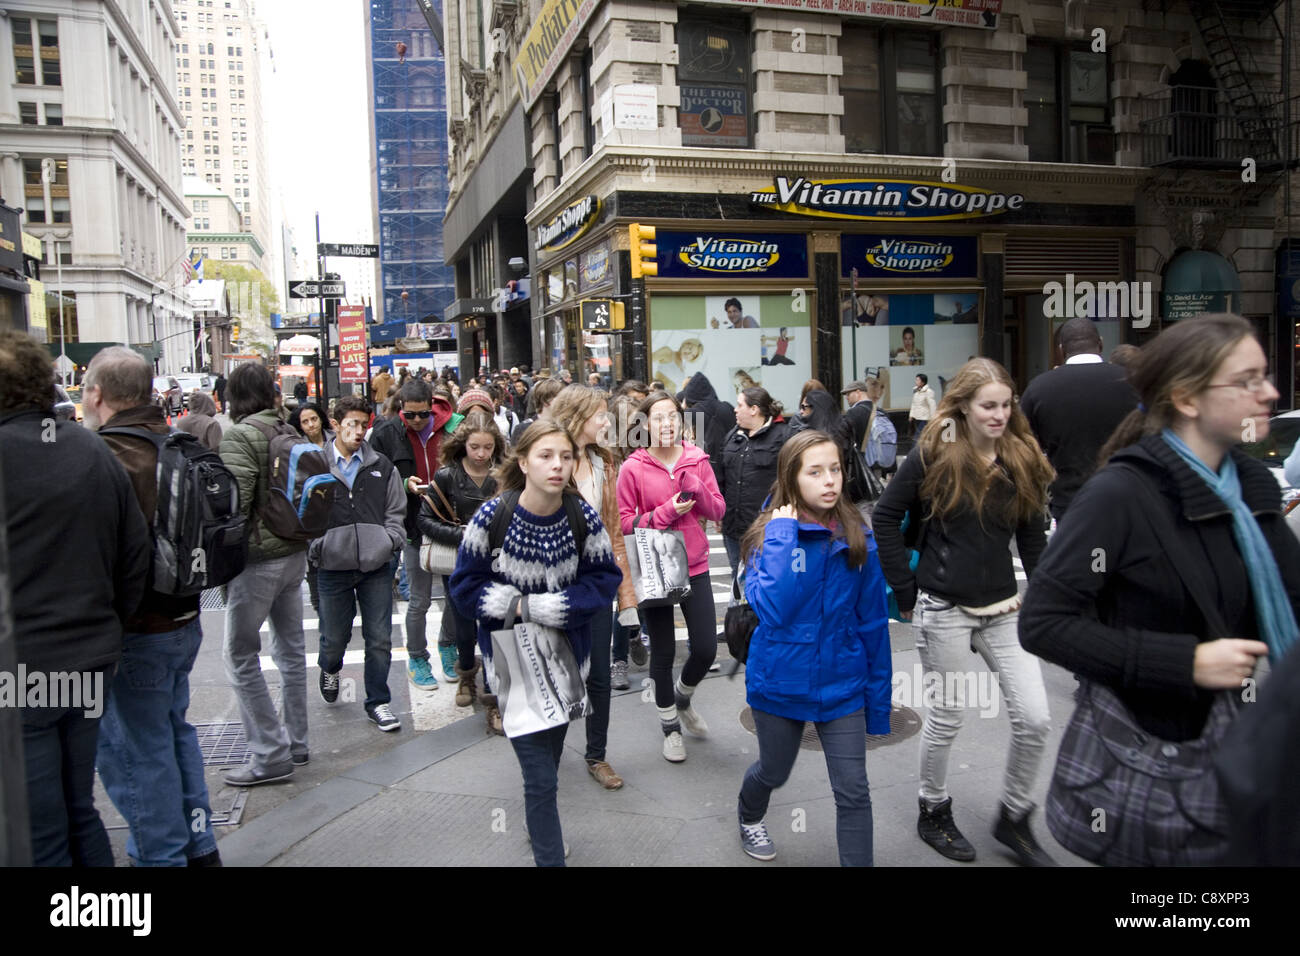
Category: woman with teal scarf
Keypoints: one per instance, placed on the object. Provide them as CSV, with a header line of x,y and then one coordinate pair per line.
x,y
1174,571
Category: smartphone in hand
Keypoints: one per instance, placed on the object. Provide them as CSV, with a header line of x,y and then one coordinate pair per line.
x,y
685,496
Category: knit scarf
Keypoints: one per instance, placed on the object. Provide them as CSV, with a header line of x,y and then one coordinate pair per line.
x,y
1277,624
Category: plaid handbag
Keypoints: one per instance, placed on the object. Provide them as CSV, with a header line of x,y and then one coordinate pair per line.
x,y
1122,797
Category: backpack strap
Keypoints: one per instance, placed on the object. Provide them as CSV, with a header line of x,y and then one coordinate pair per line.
x,y
577,521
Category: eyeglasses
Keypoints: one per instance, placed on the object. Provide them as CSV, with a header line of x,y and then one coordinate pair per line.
x,y
1254,385
805,407
417,414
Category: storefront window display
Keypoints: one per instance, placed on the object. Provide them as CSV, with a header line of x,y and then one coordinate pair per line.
x,y
908,333
735,341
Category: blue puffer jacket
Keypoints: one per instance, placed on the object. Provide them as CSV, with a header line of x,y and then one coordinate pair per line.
x,y
821,648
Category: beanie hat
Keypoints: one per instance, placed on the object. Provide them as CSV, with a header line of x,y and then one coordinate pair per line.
x,y
475,396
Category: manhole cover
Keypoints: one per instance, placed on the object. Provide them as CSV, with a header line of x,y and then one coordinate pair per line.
x,y
903,723
213,599
223,744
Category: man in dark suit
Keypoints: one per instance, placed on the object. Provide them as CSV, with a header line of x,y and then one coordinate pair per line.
x,y
859,411
1074,408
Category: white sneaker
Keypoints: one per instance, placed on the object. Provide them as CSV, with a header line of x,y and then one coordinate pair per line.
x,y
693,722
674,748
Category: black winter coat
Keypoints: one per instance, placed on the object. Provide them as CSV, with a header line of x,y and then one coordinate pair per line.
x,y
964,559
465,497
748,472
1107,603
712,418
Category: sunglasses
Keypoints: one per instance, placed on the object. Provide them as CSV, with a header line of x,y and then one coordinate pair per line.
x,y
416,414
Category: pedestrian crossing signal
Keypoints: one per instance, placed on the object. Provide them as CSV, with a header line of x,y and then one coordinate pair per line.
x,y
598,315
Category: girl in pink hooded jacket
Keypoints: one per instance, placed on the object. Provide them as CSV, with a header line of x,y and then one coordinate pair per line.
x,y
670,485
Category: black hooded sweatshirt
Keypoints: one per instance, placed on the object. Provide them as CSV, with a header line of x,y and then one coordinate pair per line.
x,y
715,418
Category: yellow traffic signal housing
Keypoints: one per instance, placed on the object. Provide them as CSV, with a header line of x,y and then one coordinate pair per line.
x,y
234,332
645,261
616,319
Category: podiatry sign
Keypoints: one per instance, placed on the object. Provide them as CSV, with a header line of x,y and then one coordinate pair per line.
x,y
557,25
880,200
699,255
944,13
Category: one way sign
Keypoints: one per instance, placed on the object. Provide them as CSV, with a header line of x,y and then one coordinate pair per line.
x,y
316,289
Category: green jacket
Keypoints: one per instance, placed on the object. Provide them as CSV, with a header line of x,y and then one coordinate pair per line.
x,y
244,449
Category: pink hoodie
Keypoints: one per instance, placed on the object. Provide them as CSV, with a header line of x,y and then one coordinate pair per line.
x,y
645,487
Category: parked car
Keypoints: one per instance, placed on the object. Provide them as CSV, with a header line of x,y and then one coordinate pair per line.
x,y
1283,432
167,393
189,381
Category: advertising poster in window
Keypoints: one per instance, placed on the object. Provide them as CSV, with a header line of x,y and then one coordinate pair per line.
x,y
734,340
891,337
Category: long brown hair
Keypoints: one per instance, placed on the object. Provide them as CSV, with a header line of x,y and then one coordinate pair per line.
x,y
453,447
1183,358
509,476
956,477
573,408
786,492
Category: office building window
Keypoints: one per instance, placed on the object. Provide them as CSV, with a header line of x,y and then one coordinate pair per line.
x,y
891,91
53,114
588,106
60,210
27,114
36,64
1069,105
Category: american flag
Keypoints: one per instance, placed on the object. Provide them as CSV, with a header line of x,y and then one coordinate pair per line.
x,y
193,265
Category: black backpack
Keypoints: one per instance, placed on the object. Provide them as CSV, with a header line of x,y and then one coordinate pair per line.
x,y
506,511
299,485
200,539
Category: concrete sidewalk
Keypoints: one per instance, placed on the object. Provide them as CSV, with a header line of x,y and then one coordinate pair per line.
x,y
454,796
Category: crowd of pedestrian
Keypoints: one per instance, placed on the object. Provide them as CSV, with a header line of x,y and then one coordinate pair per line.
x,y
572,520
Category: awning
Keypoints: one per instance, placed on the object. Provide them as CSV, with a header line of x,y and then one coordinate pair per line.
x,y
468,309
83,352
1197,282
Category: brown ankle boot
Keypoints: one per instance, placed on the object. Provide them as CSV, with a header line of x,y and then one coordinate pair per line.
x,y
465,690
493,713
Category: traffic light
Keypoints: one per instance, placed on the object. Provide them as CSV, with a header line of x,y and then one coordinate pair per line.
x,y
617,322
234,331
645,255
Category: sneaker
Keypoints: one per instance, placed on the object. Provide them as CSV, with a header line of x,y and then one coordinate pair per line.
x,y
1017,835
382,715
449,657
936,827
604,774
637,651
421,674
248,777
329,687
618,676
714,667
691,719
755,841
302,759
674,748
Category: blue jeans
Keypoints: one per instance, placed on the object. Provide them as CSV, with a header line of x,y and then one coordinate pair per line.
x,y
340,594
465,631
845,742
539,759
733,553
417,587
621,638
59,758
399,569
149,756
598,685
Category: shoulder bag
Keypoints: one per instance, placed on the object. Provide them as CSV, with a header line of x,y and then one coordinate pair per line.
x,y
436,557
1119,795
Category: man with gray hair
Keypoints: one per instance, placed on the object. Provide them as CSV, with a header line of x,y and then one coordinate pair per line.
x,y
149,756
78,560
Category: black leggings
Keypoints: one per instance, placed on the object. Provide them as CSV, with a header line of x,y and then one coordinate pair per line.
x,y
701,628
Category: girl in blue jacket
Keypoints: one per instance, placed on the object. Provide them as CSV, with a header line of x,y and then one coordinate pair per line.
x,y
820,651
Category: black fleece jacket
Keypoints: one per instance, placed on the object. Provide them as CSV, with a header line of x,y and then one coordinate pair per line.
x,y
79,546
965,557
1108,604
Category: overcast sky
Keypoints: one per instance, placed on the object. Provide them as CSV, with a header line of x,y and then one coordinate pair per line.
x,y
317,117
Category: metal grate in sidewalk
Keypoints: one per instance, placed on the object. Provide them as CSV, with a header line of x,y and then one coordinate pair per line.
x,y
903,723
223,744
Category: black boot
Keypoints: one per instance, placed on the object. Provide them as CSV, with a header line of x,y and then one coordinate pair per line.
x,y
207,859
1017,835
936,827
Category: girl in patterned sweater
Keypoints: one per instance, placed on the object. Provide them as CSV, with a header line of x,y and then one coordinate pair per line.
x,y
540,568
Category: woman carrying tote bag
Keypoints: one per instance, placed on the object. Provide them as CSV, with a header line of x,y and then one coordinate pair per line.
x,y
464,482
1170,575
669,486
542,575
